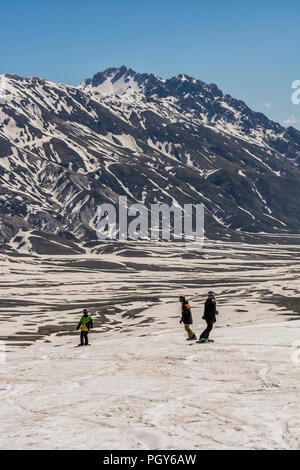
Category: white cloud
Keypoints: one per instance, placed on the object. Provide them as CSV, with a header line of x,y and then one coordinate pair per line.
x,y
290,121
268,105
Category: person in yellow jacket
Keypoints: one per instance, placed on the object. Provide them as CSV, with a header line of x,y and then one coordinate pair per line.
x,y
86,323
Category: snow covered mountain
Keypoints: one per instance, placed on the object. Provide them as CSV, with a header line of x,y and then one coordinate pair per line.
x,y
65,149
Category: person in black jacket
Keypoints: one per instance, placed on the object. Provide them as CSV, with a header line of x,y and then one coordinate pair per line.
x,y
210,312
186,317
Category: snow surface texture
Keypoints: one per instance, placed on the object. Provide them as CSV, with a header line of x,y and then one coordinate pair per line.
x,y
141,385
156,391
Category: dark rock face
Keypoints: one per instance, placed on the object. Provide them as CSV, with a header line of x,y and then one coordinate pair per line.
x,y
64,150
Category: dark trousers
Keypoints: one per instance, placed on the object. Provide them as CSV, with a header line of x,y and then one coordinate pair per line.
x,y
84,336
209,327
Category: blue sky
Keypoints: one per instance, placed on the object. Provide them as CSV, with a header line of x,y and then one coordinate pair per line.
x,y
250,49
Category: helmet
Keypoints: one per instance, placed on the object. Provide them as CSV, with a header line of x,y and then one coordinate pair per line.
x,y
181,298
211,294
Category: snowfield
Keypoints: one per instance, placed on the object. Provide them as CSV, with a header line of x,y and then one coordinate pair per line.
x,y
141,385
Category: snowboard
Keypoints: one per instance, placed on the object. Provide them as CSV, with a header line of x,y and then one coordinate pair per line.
x,y
206,341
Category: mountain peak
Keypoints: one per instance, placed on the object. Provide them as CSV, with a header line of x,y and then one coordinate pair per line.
x,y
185,78
119,81
124,80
